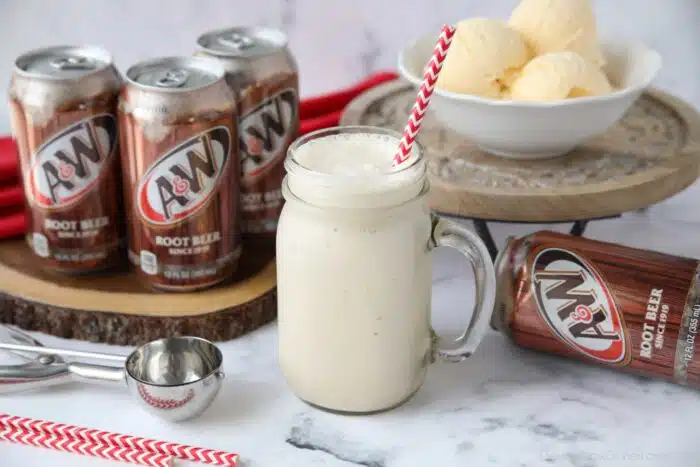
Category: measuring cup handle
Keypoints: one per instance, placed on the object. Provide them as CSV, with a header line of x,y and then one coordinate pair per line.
x,y
97,373
450,234
32,376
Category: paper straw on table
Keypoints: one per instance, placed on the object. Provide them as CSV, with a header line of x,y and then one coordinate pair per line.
x,y
179,451
432,70
65,444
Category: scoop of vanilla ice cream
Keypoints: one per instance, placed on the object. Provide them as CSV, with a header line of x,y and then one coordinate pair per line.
x,y
559,75
557,26
483,55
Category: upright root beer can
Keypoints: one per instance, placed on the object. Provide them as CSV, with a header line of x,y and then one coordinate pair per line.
x,y
63,102
178,130
264,74
626,308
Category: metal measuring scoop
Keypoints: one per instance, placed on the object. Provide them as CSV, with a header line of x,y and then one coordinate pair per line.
x,y
175,378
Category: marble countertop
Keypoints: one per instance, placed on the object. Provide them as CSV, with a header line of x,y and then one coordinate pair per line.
x,y
505,406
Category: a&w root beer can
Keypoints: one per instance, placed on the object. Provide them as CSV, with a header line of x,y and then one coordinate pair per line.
x,y
263,73
63,102
632,309
178,128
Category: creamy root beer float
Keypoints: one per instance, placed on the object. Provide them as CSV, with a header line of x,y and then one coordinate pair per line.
x,y
178,129
354,272
63,102
263,73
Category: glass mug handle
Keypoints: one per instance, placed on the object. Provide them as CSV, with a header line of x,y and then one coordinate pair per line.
x,y
453,235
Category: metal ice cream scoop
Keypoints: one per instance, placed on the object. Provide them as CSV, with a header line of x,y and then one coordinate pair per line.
x,y
175,378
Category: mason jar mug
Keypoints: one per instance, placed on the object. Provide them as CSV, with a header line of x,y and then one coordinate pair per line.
x,y
354,272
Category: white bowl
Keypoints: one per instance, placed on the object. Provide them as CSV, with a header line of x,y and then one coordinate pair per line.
x,y
537,130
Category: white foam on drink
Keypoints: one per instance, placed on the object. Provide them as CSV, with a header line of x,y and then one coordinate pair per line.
x,y
354,170
350,154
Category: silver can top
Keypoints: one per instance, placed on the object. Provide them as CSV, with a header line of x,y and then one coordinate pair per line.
x,y
242,42
176,74
63,62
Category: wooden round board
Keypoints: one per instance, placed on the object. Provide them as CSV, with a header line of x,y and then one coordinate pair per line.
x,y
116,308
648,156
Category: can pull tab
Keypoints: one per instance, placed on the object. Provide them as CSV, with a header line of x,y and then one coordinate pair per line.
x,y
71,62
237,41
172,79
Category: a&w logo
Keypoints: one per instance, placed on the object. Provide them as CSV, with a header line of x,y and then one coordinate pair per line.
x,y
185,178
70,164
265,131
577,305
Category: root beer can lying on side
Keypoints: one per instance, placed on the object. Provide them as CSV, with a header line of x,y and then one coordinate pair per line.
x,y
632,309
63,102
178,129
263,73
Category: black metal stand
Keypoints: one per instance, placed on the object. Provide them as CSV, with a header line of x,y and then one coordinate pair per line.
x,y
482,229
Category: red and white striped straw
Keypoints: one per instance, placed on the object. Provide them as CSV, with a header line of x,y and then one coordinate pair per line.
x,y
432,70
75,446
179,451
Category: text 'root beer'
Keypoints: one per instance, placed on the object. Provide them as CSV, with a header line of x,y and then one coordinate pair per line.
x,y
63,102
180,162
618,306
263,73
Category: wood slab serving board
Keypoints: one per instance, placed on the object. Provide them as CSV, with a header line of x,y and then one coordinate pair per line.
x,y
116,308
648,156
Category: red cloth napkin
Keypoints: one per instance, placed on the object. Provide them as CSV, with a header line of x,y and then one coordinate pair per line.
x,y
324,111
11,195
8,162
315,113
